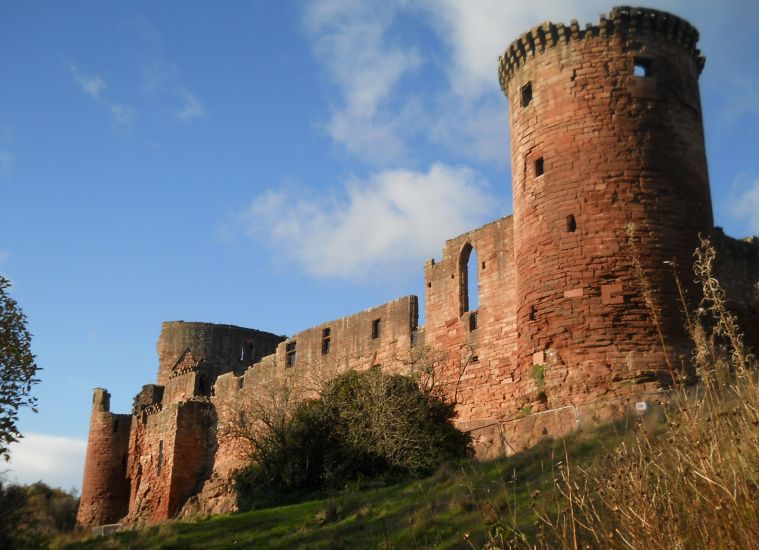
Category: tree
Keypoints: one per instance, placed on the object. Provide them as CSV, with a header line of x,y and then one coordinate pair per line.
x,y
365,425
18,370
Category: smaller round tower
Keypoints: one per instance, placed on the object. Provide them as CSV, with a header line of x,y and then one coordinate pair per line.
x,y
609,172
105,488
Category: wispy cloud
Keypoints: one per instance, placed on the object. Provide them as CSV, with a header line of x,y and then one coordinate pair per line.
x,y
58,461
92,85
162,79
743,202
371,228
123,114
351,41
191,108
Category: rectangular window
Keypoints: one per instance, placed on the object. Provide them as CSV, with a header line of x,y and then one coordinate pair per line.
x,y
539,167
571,224
160,457
325,341
290,353
472,321
526,94
375,329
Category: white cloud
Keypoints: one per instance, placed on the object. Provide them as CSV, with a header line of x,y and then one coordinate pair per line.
x,y
92,85
192,108
381,226
350,39
58,461
744,201
364,50
123,114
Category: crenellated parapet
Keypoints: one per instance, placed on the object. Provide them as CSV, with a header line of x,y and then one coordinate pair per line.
x,y
623,21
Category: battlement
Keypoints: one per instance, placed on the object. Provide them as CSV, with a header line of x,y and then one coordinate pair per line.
x,y
622,21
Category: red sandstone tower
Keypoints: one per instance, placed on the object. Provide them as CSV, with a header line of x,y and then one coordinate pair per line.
x,y
105,490
606,131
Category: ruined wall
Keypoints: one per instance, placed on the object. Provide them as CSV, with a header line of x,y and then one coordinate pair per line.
x,y
479,352
105,491
606,130
737,269
170,456
381,335
223,348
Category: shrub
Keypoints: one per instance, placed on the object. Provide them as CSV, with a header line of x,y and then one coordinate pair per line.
x,y
365,426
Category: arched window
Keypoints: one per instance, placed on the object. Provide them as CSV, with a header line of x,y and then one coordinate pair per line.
x,y
468,280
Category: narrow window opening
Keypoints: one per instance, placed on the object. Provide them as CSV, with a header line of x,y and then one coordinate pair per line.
x,y
468,280
483,265
533,313
376,328
325,341
240,382
246,352
160,457
526,94
202,383
429,285
473,321
414,337
539,167
475,359
290,353
571,224
642,67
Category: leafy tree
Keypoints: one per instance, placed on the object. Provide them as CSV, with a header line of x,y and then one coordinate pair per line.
x,y
18,371
366,425
32,515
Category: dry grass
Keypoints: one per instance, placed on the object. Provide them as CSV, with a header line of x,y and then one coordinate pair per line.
x,y
694,484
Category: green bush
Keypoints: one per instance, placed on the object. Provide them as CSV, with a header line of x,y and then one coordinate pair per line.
x,y
366,426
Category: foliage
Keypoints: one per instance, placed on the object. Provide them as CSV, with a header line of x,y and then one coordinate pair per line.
x,y
18,370
365,425
538,375
30,515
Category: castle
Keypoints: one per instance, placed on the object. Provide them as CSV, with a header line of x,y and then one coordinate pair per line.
x,y
609,181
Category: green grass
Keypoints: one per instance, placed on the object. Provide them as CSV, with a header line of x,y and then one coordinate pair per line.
x,y
436,512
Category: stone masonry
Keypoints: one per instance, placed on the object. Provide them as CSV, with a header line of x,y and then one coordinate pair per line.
x,y
608,172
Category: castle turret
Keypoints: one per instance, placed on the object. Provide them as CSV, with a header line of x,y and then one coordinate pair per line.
x,y
105,489
606,132
222,348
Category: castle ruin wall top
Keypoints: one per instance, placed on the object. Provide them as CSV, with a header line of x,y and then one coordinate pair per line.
x,y
622,21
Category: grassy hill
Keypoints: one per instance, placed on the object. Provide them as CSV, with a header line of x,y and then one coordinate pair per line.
x,y
461,506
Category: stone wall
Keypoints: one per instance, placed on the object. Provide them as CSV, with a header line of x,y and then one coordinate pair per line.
x,y
606,131
478,346
224,348
105,490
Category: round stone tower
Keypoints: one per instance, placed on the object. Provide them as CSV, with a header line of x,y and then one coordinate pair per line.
x,y
606,134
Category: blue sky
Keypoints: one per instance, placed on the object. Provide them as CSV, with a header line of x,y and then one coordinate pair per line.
x,y
268,164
